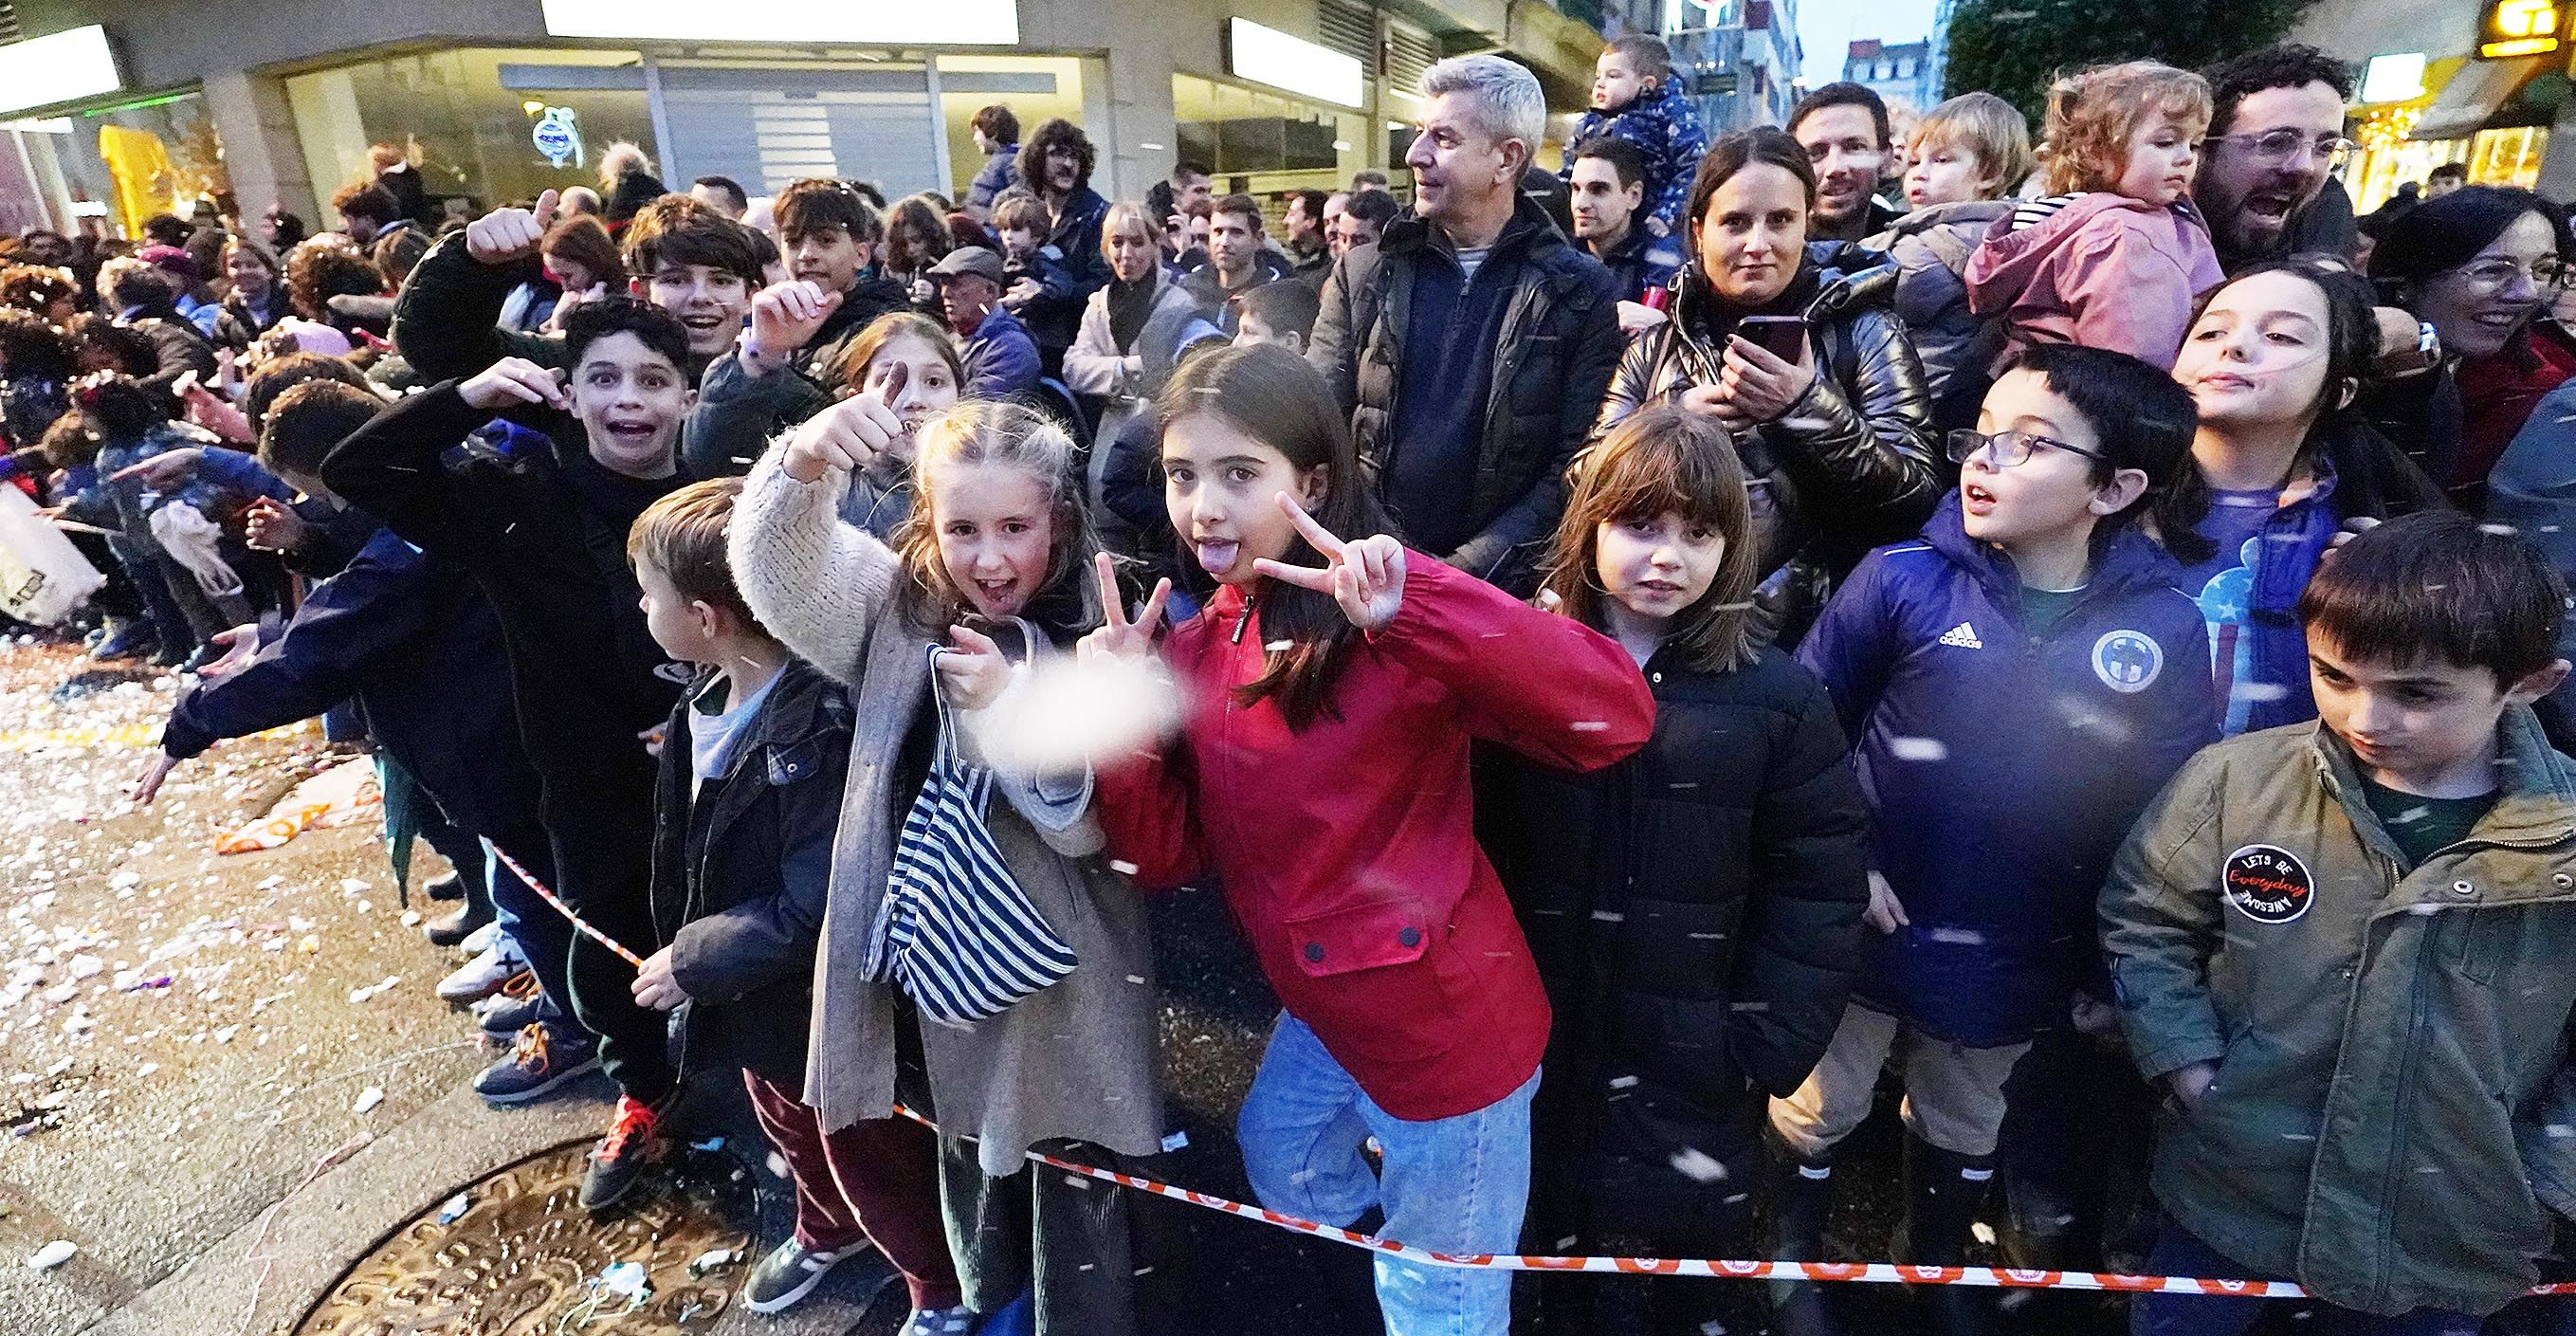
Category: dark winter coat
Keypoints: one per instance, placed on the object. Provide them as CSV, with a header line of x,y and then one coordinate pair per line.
x,y
1957,347
2005,769
1558,342
741,869
1075,238
1850,465
1001,171
1695,912
177,345
1667,131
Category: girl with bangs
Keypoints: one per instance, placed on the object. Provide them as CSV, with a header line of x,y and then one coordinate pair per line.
x,y
1695,909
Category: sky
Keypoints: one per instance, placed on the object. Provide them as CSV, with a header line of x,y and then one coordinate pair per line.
x,y
1826,28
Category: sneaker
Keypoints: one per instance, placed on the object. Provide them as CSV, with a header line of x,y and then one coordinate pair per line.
x,y
956,1321
453,929
482,939
541,1060
620,1157
449,887
478,978
511,1010
789,1273
126,640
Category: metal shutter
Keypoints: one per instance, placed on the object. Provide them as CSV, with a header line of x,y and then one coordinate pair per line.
x,y
777,126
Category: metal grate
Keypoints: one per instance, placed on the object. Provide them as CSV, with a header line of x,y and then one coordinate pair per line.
x,y
1410,52
1347,28
9,22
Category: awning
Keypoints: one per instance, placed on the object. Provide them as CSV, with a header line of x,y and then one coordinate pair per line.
x,y
2469,100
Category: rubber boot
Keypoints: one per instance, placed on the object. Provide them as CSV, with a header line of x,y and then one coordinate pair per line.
x,y
1801,1192
1943,1191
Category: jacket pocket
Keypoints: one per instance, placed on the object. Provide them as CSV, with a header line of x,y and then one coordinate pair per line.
x,y
1374,992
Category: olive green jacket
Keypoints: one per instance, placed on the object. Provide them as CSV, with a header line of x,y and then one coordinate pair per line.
x,y
2395,1113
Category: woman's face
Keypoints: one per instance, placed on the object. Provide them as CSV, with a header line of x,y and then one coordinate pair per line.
x,y
1750,234
1221,488
2257,356
249,274
2480,306
571,273
1131,253
929,387
995,530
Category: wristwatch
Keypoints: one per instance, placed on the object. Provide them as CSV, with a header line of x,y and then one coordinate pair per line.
x,y
2424,356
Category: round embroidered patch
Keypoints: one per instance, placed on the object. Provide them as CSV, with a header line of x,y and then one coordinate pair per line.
x,y
2127,661
2267,883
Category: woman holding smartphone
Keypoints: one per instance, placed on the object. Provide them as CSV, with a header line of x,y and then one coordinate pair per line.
x,y
1796,348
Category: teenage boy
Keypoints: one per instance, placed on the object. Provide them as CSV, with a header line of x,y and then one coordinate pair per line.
x,y
746,802
680,255
1843,127
1637,101
1037,286
1237,261
1608,184
772,379
1001,360
2343,947
537,508
1994,835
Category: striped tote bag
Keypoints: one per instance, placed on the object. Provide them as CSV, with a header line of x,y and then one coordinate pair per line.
x,y
955,932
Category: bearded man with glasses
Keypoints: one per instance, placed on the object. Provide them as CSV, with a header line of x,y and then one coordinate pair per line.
x,y
2267,185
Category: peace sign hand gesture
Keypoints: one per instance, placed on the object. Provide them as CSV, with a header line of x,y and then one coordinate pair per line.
x,y
1116,637
1364,576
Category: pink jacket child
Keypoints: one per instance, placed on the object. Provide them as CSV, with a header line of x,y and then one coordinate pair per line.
x,y
2104,270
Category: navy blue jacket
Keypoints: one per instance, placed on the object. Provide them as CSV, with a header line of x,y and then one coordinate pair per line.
x,y
416,645
2005,770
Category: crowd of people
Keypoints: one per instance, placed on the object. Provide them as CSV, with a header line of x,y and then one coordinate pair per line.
x,y
2070,626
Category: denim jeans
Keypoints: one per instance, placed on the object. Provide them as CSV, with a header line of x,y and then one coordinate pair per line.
x,y
2180,1253
1452,1185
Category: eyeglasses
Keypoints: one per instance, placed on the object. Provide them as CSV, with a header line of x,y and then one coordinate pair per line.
x,y
2489,277
2280,148
2010,449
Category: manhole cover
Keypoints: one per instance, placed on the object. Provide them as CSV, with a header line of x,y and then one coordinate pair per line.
x,y
525,1260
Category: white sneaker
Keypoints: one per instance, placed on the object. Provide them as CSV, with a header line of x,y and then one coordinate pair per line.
x,y
482,939
477,978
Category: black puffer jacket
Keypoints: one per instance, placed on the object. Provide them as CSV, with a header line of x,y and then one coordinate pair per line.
x,y
1851,465
1695,912
1559,340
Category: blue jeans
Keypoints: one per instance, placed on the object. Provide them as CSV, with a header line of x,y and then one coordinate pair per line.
x,y
1452,1185
2178,1252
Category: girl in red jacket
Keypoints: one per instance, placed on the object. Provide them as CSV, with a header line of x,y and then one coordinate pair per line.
x,y
1334,687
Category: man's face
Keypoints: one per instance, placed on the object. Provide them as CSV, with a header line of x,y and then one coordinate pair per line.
x,y
967,299
1196,235
1188,186
1457,168
1301,228
828,256
1233,239
1064,170
631,401
709,300
1602,206
1842,144
2249,197
1351,231
719,200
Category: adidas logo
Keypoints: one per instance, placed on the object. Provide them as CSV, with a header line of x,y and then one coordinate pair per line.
x,y
1962,636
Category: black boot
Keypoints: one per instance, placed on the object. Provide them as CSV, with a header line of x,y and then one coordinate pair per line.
x,y
1943,1191
1801,1192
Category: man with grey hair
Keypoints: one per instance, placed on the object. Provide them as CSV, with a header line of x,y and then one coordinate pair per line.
x,y
1473,342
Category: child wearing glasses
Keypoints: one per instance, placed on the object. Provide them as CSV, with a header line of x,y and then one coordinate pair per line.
x,y
2018,684
2114,254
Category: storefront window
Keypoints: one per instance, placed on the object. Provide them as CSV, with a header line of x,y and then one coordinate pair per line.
x,y
1270,141
109,169
1035,88
475,116
2508,157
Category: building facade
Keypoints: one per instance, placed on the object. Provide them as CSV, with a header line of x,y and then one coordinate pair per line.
x,y
1739,59
254,102
2478,82
1906,75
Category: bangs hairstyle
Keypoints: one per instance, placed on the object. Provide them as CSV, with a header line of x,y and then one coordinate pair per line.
x,y
2092,114
1988,128
1738,150
256,249
583,241
1004,435
1057,135
1272,396
849,369
269,384
820,202
1024,213
657,329
2439,586
681,537
677,229
1656,462
1124,217
2143,417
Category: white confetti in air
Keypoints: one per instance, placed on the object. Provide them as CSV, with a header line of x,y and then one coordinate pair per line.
x,y
1591,725
1956,936
2500,530
1122,867
1917,749
1696,1165
1057,716
2258,692
1622,1082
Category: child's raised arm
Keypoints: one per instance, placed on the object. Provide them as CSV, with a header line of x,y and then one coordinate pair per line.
x,y
816,582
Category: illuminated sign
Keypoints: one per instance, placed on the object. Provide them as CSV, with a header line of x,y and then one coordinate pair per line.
x,y
1267,55
947,23
58,67
2519,28
557,135
2398,78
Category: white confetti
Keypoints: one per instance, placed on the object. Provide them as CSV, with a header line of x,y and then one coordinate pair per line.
x,y
1917,749
368,1099
52,1255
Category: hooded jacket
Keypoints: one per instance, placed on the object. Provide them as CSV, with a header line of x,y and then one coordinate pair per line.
x,y
1931,248
1666,129
2004,768
1850,465
2390,1122
2106,271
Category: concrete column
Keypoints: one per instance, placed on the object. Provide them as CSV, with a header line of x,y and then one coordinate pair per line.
x,y
1137,136
2558,161
261,151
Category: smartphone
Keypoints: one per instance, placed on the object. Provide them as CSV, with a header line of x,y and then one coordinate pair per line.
x,y
1782,336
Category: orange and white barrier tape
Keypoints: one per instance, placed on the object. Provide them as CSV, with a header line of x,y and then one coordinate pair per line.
x,y
1861,1273
578,922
